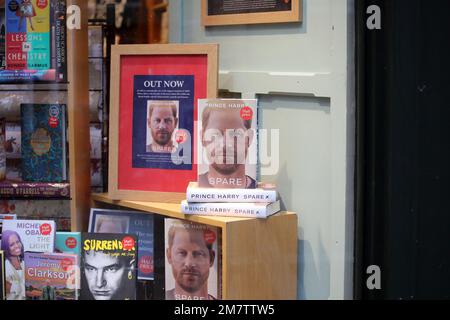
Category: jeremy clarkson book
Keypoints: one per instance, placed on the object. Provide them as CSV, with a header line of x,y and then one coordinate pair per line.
x,y
264,194
192,262
36,235
227,147
44,142
108,266
229,209
51,276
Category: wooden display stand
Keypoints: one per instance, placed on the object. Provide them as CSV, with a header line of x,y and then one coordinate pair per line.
x,y
259,256
78,114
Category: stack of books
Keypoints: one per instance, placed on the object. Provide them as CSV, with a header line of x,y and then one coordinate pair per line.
x,y
260,202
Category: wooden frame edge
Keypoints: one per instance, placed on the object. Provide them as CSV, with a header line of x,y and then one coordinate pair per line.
x,y
295,15
117,51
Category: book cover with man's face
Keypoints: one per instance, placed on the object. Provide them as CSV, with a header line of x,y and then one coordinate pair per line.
x,y
108,266
192,261
227,152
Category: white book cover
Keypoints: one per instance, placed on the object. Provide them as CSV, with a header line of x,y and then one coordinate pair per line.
x,y
227,143
262,194
33,235
192,260
250,210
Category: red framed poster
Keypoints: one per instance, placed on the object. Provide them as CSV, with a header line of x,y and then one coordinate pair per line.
x,y
154,94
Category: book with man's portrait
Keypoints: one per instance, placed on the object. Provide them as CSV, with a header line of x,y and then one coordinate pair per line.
x,y
227,152
192,261
163,122
134,222
108,266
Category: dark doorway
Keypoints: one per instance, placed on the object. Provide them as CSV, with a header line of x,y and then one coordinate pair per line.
x,y
403,148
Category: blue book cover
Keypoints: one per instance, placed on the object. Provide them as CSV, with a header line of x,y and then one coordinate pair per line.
x,y
163,121
43,142
68,242
131,222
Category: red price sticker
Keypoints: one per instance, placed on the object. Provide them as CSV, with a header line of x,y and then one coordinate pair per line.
x,y
53,122
247,113
71,242
45,229
128,243
181,136
42,4
66,263
210,236
145,264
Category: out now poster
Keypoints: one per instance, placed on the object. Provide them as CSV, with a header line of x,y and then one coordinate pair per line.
x,y
27,34
163,110
158,104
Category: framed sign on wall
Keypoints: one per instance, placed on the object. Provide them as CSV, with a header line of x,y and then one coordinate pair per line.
x,y
154,94
233,12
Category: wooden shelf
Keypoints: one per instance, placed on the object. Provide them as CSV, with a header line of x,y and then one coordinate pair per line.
x,y
172,210
259,256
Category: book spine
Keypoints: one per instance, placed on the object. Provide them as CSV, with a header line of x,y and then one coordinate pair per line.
x,y
231,195
2,149
2,39
61,41
224,209
35,190
24,76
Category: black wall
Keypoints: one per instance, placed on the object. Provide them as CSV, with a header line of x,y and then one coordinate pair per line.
x,y
403,150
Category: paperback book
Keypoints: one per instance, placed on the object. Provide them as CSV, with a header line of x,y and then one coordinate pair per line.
x,y
43,142
13,189
132,222
2,276
108,266
34,235
4,217
192,261
26,76
51,276
2,149
2,36
59,27
227,153
229,209
265,193
28,35
68,242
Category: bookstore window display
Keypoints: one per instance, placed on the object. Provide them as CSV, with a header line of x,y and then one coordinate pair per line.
x,y
204,243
